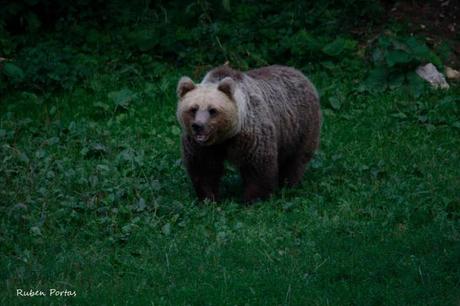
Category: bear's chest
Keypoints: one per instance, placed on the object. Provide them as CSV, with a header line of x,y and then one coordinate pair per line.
x,y
249,144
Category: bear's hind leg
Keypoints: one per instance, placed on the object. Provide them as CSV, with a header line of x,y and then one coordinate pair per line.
x,y
293,169
259,183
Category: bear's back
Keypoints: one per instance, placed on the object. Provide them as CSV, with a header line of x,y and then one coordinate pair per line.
x,y
219,73
291,105
275,96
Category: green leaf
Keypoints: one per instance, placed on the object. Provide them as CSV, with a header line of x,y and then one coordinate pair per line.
x,y
335,48
423,53
143,39
329,65
226,5
303,43
335,103
449,99
53,110
101,106
122,98
377,79
166,229
33,22
102,168
13,71
395,81
23,157
94,150
288,206
449,104
35,231
175,130
419,49
140,206
150,89
377,56
399,115
384,41
416,84
398,57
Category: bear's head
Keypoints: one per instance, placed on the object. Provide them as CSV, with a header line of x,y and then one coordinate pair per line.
x,y
208,112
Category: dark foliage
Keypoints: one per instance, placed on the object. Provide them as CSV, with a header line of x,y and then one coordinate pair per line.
x,y
197,33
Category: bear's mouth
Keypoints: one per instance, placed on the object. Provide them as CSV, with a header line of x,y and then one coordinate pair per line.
x,y
201,138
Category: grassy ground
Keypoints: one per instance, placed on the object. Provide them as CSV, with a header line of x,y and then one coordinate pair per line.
x,y
94,199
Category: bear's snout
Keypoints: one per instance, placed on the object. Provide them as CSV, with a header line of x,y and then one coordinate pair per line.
x,y
201,117
197,127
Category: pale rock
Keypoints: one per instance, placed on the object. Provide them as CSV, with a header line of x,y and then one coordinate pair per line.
x,y
452,73
430,74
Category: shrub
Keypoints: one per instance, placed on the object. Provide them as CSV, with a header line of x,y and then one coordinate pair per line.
x,y
394,60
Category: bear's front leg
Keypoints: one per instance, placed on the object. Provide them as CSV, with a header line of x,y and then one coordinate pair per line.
x,y
205,166
205,182
259,181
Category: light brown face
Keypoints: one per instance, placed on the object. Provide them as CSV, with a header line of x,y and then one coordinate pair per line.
x,y
207,115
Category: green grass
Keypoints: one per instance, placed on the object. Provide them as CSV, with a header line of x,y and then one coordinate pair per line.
x,y
94,199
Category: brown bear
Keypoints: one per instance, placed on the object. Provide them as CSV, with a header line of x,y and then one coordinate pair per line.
x,y
265,121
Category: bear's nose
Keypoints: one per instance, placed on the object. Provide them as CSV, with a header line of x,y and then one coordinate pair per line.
x,y
197,127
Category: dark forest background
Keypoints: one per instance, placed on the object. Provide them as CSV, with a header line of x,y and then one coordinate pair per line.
x,y
57,44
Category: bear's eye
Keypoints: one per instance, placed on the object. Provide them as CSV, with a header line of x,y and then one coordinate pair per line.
x,y
193,109
213,111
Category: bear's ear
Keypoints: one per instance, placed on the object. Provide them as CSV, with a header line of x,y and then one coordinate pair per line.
x,y
227,86
184,86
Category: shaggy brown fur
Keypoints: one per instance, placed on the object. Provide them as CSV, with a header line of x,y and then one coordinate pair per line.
x,y
265,121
